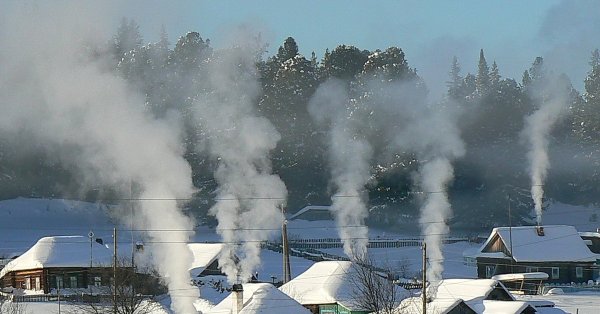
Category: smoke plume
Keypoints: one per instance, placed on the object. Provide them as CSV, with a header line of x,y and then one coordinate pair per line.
x,y
349,157
55,94
431,133
249,196
552,96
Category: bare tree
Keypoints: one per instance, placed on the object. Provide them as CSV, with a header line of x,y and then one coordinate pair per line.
x,y
374,289
10,307
133,293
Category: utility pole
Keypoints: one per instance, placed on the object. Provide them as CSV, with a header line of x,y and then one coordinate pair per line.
x,y
286,250
510,236
89,276
424,279
115,270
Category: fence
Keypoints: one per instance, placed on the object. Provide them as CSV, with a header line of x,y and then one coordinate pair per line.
x,y
330,243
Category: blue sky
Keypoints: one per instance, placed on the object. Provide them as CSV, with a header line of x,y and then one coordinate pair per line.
x,y
512,32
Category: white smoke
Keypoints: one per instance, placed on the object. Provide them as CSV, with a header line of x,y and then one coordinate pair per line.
x,y
553,98
430,132
249,196
349,159
54,95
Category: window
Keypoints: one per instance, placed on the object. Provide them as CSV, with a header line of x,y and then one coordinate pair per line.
x,y
59,282
97,281
490,271
579,272
37,283
73,281
28,283
555,272
530,269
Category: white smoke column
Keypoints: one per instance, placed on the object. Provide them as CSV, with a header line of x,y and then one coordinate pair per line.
x,y
53,95
349,157
434,178
537,130
249,196
430,132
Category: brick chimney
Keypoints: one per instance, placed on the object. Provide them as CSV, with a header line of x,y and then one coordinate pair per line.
x,y
238,295
540,231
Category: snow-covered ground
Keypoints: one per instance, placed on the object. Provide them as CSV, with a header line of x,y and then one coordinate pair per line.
x,y
24,221
583,218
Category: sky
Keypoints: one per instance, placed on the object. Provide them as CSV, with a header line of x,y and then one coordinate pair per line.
x,y
511,32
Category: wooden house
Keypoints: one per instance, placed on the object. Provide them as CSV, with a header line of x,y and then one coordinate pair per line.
x,y
258,298
312,213
326,287
60,262
592,240
205,259
557,250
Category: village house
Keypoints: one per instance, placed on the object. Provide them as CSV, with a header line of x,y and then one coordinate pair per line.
x,y
592,240
312,213
205,259
556,250
326,287
258,298
470,296
60,262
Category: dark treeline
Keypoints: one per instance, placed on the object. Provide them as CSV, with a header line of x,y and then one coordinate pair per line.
x,y
493,110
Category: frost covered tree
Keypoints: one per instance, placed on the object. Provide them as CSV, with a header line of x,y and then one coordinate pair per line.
x,y
128,38
494,74
344,62
455,82
482,83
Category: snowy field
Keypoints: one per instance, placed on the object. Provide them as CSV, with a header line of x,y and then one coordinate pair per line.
x,y
24,221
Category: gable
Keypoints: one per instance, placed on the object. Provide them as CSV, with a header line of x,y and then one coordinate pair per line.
x,y
496,245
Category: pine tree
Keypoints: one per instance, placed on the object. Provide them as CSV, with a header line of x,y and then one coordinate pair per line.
x,y
128,38
483,75
288,50
455,82
537,71
344,62
494,74
526,80
592,81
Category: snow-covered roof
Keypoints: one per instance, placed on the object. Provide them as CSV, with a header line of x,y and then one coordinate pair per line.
x,y
204,254
328,282
325,282
309,208
589,234
439,306
504,307
260,298
521,276
468,289
64,251
559,243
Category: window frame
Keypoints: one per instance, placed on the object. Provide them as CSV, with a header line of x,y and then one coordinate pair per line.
x,y
557,275
578,271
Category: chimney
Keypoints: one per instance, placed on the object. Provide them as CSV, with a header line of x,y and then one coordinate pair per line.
x,y
238,291
540,231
